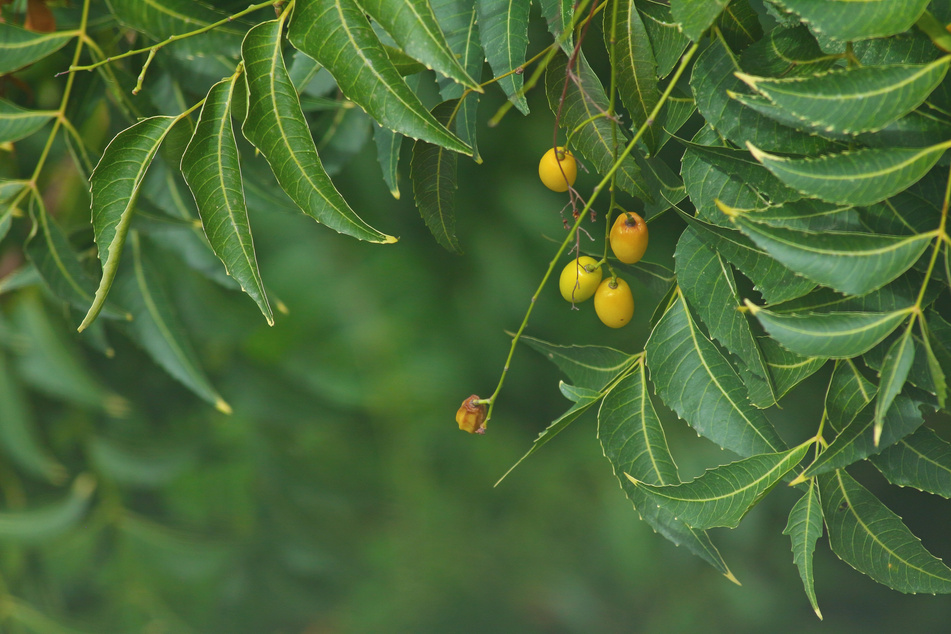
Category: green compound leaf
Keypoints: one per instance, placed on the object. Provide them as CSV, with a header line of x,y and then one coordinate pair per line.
x,y
503,29
636,68
850,262
722,496
741,167
894,372
337,34
708,284
44,523
633,441
589,367
19,47
773,280
698,383
17,123
458,19
160,19
594,138
862,177
210,167
156,327
849,20
114,189
804,529
865,534
413,25
276,126
863,99
433,172
857,441
786,52
831,335
696,16
922,460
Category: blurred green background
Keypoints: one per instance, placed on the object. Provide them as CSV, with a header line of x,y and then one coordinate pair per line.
x,y
340,496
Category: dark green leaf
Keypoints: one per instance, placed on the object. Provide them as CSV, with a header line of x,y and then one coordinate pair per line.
x,y
276,126
698,383
921,460
589,367
696,16
459,22
635,67
17,123
433,172
559,15
503,29
739,25
19,47
895,369
848,20
741,166
159,20
337,34
667,40
211,169
785,52
786,368
804,529
865,534
722,496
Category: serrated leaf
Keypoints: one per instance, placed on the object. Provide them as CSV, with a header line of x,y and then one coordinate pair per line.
x,y
696,16
741,166
739,25
804,529
503,30
896,295
337,34
432,170
849,20
713,80
809,214
388,145
698,383
787,368
673,116
850,101
593,138
276,126
18,430
921,460
865,534
633,441
850,262
157,329
590,367
857,441
785,52
43,523
848,394
159,20
667,40
635,67
707,282
773,280
458,19
722,496
582,399
17,123
412,24
559,15
832,335
114,189
211,169
860,177
19,47
938,378
895,369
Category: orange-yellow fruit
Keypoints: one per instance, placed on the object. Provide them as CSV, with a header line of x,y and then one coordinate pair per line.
x,y
614,304
629,237
552,175
471,415
579,279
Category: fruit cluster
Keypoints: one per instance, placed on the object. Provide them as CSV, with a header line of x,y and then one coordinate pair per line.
x,y
582,277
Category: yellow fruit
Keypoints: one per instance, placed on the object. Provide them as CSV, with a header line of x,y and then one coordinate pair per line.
x,y
629,237
614,304
471,415
552,175
579,279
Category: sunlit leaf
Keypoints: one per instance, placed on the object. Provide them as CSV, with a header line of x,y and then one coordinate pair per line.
x,y
804,529
337,34
210,167
698,383
865,534
276,126
723,495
